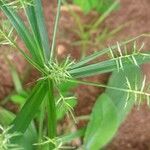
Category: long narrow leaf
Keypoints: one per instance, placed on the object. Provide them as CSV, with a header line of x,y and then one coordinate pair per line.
x,y
107,66
22,31
30,13
30,60
99,53
33,22
30,108
42,28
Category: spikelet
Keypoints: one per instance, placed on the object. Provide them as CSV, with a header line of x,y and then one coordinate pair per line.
x,y
6,33
62,103
5,139
140,93
58,72
123,54
57,142
17,4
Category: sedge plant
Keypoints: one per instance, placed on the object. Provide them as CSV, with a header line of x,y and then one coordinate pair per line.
x,y
47,97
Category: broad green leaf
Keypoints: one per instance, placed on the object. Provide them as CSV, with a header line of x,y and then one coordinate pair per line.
x,y
101,6
116,90
103,124
6,117
134,76
118,99
30,108
84,4
107,11
18,99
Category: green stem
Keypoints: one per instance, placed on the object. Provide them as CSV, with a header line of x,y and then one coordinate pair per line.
x,y
55,29
127,90
103,17
51,109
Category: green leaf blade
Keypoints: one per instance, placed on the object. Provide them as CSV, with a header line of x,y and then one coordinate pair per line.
x,y
134,75
22,31
103,124
42,28
30,108
106,66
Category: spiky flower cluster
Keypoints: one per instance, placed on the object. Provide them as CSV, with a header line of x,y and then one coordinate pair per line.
x,y
63,102
59,72
57,142
5,139
122,54
18,4
138,93
6,33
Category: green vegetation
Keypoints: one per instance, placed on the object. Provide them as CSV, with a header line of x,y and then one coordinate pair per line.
x,y
51,99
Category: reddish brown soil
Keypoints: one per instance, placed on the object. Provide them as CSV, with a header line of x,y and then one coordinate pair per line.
x,y
134,134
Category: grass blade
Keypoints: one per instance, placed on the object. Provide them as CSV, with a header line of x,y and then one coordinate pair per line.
x,y
106,66
99,53
33,22
22,31
30,108
31,61
42,28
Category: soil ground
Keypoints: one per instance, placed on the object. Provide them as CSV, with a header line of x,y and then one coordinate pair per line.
x,y
134,134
